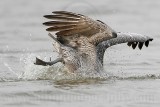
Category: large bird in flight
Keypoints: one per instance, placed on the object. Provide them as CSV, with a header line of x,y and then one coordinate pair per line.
x,y
90,38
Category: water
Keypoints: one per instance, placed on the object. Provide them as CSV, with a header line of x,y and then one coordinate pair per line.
x,y
133,76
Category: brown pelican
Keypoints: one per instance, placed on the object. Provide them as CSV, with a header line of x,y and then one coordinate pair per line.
x,y
84,39
80,32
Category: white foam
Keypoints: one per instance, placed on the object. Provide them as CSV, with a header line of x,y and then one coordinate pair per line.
x,y
56,72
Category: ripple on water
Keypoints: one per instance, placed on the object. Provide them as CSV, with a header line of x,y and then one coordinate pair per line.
x,y
60,75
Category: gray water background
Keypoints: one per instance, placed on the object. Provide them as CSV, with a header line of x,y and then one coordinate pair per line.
x,y
136,73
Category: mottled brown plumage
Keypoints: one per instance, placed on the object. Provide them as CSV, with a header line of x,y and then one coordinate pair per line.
x,y
69,27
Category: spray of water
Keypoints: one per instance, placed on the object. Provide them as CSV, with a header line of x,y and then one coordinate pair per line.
x,y
60,75
56,72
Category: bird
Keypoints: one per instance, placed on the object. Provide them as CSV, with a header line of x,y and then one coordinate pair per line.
x,y
79,32
88,38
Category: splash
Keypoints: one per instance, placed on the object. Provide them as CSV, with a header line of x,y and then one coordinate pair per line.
x,y
60,75
57,73
35,72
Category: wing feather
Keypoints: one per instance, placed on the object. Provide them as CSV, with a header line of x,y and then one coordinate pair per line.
x,y
57,23
58,17
65,13
67,24
61,28
73,31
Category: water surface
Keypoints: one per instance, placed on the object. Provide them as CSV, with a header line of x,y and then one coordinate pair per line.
x,y
134,75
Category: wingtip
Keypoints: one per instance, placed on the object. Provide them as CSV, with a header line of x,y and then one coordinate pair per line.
x,y
114,34
49,29
129,44
140,45
49,16
151,39
147,42
45,23
134,45
45,16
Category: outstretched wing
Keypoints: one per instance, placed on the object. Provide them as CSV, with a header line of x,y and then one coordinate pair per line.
x,y
132,39
70,26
